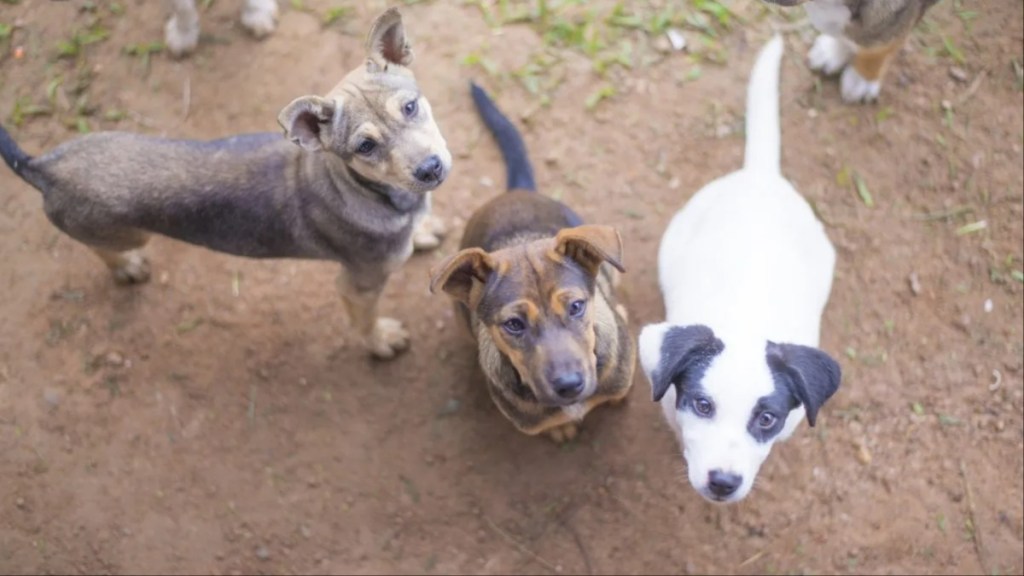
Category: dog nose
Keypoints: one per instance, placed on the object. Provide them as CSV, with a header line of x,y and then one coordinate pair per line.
x,y
430,170
568,385
723,483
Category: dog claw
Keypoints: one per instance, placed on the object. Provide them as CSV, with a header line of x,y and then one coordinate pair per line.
x,y
133,269
429,233
564,433
388,338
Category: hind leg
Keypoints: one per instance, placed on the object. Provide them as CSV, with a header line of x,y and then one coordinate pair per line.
x,y
128,267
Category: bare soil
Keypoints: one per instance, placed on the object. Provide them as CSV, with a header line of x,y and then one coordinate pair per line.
x,y
222,418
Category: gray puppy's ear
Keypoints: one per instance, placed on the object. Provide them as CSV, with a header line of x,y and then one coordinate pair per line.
x,y
386,43
812,375
457,273
308,121
679,349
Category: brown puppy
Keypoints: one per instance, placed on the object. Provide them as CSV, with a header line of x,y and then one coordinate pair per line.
x,y
536,288
859,38
351,183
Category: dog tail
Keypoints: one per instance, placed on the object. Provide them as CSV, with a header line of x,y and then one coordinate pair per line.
x,y
520,172
763,138
13,155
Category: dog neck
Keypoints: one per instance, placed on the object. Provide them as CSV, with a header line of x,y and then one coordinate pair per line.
x,y
402,201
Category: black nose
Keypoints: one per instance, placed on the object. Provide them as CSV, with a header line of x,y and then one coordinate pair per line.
x,y
723,483
429,171
568,385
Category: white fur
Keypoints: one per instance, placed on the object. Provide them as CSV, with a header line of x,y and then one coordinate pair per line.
x,y
828,16
829,55
181,32
747,258
832,51
856,89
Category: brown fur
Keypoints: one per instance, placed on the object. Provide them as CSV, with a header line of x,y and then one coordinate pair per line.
x,y
314,194
520,258
878,28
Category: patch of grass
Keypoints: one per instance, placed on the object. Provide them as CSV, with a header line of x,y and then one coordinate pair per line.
x,y
602,93
862,191
952,51
72,47
143,51
334,14
24,109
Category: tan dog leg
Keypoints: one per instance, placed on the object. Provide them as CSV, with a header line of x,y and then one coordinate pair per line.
x,y
385,337
128,267
862,79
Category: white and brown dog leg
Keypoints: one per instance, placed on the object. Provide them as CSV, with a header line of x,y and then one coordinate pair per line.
x,y
384,337
181,33
862,79
260,17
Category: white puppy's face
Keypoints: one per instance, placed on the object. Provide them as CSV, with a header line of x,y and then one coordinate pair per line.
x,y
730,402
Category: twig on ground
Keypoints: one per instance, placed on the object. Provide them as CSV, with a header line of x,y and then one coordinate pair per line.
x,y
971,89
975,531
520,546
187,97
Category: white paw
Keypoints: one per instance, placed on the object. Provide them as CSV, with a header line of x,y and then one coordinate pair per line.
x,y
856,89
388,338
828,54
181,37
260,17
429,233
132,269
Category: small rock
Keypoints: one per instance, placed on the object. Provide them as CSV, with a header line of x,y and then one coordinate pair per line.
x,y
486,182
164,277
676,38
51,397
812,113
305,531
915,284
20,503
262,553
863,454
113,359
958,74
439,325
988,305
673,183
946,105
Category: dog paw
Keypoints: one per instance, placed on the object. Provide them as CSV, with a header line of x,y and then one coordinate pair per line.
x,y
564,433
429,233
132,269
828,55
388,338
856,89
180,37
260,17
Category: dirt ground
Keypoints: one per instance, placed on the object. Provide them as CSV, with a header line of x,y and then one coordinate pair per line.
x,y
222,419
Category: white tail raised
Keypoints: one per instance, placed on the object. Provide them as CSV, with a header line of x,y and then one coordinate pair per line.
x,y
763,137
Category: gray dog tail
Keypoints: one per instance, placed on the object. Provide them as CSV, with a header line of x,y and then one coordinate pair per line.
x,y
520,172
13,155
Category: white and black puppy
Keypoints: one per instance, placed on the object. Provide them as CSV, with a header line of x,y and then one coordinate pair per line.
x,y
745,270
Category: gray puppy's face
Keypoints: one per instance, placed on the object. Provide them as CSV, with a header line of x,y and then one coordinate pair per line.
x,y
730,402
375,120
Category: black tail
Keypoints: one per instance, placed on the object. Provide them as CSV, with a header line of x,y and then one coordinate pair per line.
x,y
520,173
14,156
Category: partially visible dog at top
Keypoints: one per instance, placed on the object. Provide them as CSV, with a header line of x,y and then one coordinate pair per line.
x,y
858,39
745,270
536,288
350,182
181,32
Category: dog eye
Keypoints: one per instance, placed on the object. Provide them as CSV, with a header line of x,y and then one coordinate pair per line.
x,y
410,108
703,407
514,326
367,146
766,420
577,308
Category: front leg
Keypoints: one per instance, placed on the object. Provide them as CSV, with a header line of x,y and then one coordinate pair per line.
x,y
181,33
862,79
384,337
429,230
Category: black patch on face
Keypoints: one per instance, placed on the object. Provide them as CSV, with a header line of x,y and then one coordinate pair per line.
x,y
778,404
686,353
810,375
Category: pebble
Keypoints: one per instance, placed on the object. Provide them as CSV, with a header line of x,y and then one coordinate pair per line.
x,y
676,38
20,502
863,454
958,74
262,553
988,305
114,359
51,397
915,283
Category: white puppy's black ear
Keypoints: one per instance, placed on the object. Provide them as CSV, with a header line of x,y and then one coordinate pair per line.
x,y
682,351
812,375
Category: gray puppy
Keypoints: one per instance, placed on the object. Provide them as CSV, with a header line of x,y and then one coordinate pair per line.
x,y
350,183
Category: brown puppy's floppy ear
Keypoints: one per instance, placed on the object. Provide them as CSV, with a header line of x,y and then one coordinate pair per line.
x,y
307,121
590,246
386,43
456,273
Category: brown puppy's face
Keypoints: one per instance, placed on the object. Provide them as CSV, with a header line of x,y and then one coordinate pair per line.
x,y
535,300
375,119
